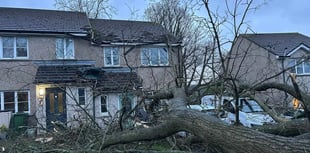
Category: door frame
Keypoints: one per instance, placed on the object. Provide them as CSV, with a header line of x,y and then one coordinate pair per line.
x,y
58,113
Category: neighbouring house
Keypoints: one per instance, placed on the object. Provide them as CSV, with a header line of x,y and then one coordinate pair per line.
x,y
54,63
271,57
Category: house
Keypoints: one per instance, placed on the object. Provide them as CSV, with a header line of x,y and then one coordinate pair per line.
x,y
56,64
271,57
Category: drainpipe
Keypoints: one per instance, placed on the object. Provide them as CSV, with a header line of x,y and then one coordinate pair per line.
x,y
94,107
94,101
283,78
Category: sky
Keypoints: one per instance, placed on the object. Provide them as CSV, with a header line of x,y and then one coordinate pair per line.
x,y
276,16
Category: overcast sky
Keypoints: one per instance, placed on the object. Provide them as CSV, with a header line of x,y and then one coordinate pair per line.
x,y
276,16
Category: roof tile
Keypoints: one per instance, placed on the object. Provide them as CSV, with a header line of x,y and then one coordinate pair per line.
x,y
281,44
35,20
111,31
106,81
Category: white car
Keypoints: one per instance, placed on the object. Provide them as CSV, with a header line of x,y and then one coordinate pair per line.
x,y
250,113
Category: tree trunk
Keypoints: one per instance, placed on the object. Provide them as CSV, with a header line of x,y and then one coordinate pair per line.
x,y
290,128
227,138
221,136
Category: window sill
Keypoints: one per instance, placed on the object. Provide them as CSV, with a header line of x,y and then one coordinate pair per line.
x,y
305,74
112,66
14,59
66,59
104,115
154,66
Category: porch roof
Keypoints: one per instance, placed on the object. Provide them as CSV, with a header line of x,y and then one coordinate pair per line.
x,y
105,81
56,74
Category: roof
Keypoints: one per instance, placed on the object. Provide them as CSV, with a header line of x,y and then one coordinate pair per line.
x,y
35,20
58,74
106,81
281,44
116,31
118,82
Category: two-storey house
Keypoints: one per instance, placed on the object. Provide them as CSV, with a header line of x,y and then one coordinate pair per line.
x,y
60,65
271,57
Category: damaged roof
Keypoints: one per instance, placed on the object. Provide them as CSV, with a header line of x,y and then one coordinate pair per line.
x,y
106,81
281,44
45,21
125,31
106,31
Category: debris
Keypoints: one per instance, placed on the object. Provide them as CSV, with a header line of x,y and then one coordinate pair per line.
x,y
44,140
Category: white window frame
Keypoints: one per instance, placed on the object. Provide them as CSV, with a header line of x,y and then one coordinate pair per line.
x,y
15,48
110,50
107,105
149,52
78,96
15,100
65,55
297,65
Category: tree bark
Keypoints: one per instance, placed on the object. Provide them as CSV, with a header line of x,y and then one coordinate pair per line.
x,y
290,128
224,137
227,138
287,88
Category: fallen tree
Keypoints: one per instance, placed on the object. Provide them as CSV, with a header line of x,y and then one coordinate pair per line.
x,y
293,127
223,137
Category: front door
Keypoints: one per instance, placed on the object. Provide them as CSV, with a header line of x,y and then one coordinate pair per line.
x,y
55,106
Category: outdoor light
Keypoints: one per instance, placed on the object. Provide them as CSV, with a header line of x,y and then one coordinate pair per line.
x,y
41,92
41,96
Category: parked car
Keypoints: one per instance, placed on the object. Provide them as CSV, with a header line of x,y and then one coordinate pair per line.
x,y
250,112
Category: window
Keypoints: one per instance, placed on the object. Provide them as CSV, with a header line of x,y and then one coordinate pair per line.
x,y
111,56
22,101
9,101
82,97
14,47
126,102
64,48
299,67
15,101
249,106
154,56
104,105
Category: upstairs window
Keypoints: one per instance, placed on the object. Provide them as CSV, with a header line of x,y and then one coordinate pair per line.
x,y
14,47
64,48
15,101
299,67
111,56
154,56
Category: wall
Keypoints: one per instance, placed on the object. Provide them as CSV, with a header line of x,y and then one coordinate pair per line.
x,y
154,77
20,74
5,118
252,65
113,108
75,112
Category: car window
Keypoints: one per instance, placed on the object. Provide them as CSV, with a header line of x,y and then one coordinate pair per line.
x,y
227,106
249,106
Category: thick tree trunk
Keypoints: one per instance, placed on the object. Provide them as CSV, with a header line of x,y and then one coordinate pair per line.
x,y
287,88
290,128
228,138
